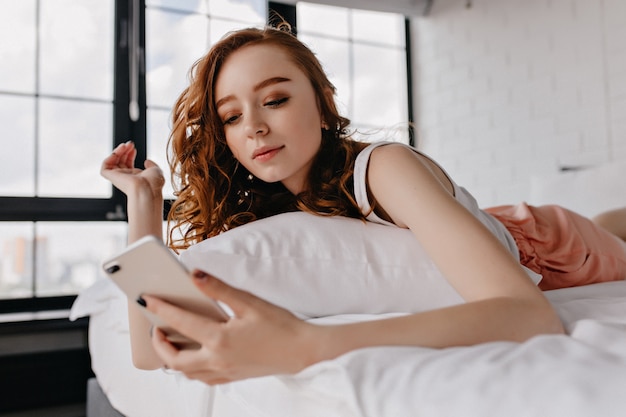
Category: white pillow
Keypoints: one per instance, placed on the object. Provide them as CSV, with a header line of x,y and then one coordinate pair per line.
x,y
319,266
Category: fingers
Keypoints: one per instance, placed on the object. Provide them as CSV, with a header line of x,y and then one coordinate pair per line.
x,y
238,300
193,363
110,161
150,163
244,346
128,160
126,153
189,324
163,347
123,156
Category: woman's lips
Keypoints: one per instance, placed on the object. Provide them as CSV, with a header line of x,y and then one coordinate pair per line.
x,y
266,153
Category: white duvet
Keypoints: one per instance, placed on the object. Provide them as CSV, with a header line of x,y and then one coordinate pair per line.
x,y
579,375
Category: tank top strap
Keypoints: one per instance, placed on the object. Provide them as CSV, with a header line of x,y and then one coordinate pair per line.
x,y
360,183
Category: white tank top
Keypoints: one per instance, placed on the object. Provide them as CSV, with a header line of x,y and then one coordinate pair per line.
x,y
460,194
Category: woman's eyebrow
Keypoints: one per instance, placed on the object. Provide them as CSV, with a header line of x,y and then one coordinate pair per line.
x,y
270,81
259,86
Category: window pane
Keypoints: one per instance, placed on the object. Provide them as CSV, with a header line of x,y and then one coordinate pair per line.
x,y
183,5
335,59
17,50
370,76
252,11
378,27
76,53
380,96
17,159
16,259
70,255
220,27
174,42
74,138
158,133
323,20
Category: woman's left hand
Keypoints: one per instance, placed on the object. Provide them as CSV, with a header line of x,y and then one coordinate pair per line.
x,y
260,339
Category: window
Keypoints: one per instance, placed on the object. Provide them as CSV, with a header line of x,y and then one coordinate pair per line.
x,y
79,76
365,55
57,109
55,82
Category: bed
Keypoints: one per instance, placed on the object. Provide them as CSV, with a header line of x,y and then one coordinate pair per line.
x,y
580,374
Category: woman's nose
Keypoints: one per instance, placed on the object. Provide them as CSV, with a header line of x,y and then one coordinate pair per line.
x,y
256,126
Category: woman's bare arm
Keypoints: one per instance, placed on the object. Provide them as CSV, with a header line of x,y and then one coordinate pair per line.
x,y
502,302
143,189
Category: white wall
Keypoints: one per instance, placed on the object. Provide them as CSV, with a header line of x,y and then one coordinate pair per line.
x,y
507,89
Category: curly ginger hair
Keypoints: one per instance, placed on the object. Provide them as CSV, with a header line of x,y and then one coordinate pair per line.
x,y
214,192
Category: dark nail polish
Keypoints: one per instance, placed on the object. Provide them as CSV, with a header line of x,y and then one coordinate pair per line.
x,y
200,274
141,301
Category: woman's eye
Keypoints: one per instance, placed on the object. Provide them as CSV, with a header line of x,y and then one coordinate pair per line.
x,y
230,120
277,102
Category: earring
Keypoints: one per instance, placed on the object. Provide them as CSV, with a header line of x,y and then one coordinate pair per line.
x,y
325,125
247,193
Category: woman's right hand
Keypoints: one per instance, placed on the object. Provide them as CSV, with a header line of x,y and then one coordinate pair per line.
x,y
119,168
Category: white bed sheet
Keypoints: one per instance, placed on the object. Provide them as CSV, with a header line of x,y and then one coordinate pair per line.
x,y
579,375
133,392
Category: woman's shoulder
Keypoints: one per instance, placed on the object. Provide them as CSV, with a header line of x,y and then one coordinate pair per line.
x,y
381,147
364,155
394,150
384,159
377,152
385,144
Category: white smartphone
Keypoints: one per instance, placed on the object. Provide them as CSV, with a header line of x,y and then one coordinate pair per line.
x,y
147,266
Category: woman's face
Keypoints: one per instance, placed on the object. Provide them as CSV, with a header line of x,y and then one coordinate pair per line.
x,y
270,114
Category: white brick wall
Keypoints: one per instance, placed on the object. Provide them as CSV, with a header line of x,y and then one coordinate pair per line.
x,y
507,89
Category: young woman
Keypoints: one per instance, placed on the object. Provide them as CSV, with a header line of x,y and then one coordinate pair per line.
x,y
257,133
